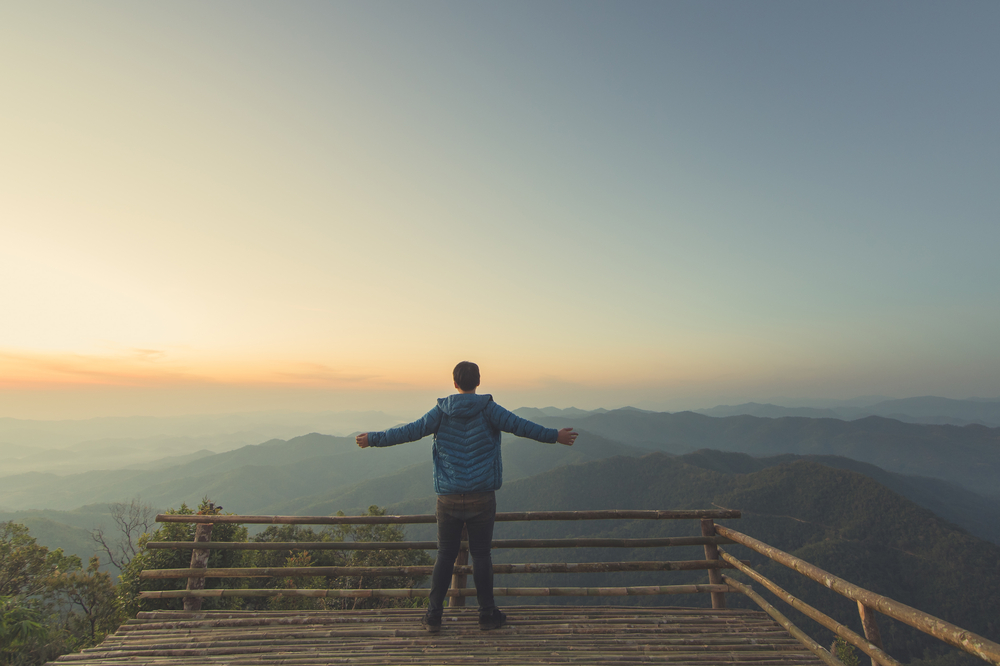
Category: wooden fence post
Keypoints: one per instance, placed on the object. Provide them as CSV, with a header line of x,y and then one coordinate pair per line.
x,y
459,581
871,627
712,553
199,560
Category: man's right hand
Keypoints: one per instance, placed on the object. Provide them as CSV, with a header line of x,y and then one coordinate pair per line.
x,y
567,436
362,440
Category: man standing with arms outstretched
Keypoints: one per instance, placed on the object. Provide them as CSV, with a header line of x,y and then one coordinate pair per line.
x,y
467,472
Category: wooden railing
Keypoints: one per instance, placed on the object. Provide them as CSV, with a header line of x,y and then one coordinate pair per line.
x,y
202,545
712,536
868,603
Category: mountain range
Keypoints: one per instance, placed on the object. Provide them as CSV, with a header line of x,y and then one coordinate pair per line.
x,y
74,446
926,409
968,456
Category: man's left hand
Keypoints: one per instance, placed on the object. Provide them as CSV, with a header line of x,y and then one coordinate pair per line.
x,y
567,436
362,440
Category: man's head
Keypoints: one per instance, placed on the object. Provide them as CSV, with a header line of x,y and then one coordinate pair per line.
x,y
466,375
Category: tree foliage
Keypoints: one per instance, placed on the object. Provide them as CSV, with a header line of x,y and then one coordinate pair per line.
x,y
331,558
845,652
22,629
130,584
378,558
25,566
49,604
91,595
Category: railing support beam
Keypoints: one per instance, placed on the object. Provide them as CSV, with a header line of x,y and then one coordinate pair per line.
x,y
199,560
712,554
871,627
459,580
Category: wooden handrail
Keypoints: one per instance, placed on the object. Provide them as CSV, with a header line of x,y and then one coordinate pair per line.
x,y
658,542
925,622
522,516
533,567
415,592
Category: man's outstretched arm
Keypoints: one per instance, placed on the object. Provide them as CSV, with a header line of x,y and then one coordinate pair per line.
x,y
507,421
410,432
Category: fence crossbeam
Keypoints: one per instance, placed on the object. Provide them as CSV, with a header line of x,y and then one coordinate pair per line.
x,y
660,542
410,592
521,516
534,567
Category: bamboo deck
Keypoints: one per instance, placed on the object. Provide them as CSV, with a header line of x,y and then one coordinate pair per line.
x,y
533,635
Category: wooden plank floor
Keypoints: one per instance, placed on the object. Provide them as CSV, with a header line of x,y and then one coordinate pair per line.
x,y
533,635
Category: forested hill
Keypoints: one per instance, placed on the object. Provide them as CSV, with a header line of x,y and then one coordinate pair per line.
x,y
975,513
837,519
968,455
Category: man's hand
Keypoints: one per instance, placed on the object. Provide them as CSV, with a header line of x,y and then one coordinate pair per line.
x,y
362,440
567,436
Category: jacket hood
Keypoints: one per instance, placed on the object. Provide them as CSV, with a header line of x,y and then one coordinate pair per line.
x,y
464,405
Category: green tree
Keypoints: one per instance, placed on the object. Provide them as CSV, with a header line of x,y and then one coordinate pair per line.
x,y
131,585
378,558
331,558
293,558
93,613
22,630
25,567
300,558
49,605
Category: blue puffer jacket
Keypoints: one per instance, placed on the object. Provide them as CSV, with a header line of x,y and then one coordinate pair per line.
x,y
466,428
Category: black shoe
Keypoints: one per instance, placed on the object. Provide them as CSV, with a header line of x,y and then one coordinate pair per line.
x,y
494,620
430,623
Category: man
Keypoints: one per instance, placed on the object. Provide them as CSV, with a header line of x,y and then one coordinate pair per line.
x,y
467,472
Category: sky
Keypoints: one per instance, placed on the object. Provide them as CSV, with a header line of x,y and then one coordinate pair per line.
x,y
236,206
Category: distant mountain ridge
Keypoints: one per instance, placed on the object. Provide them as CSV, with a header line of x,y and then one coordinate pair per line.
x,y
968,456
531,413
73,446
925,409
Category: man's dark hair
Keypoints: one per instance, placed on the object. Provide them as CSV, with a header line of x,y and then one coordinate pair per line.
x,y
466,375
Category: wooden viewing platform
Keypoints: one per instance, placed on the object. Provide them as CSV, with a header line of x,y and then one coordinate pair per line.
x,y
534,634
